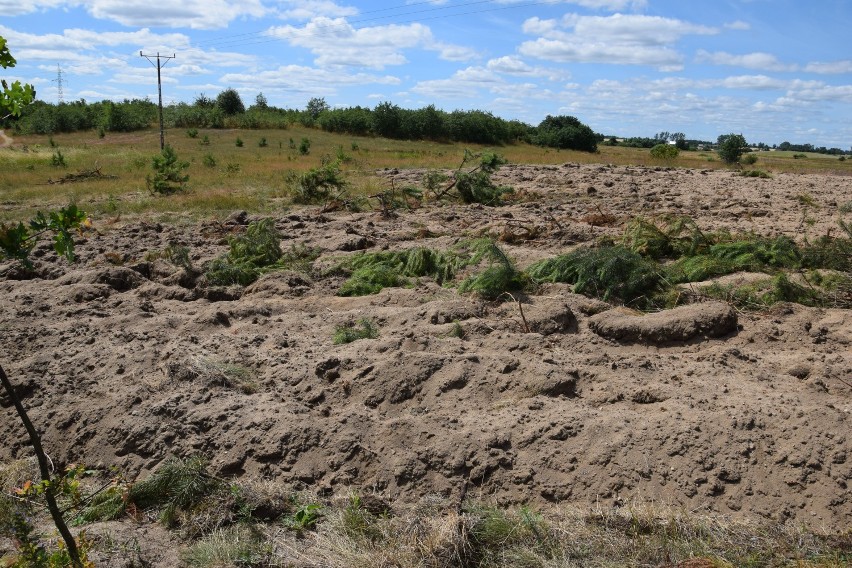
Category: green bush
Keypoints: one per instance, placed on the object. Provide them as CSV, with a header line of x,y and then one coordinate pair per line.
x,y
731,147
168,172
230,103
317,185
565,132
192,133
664,152
749,159
305,146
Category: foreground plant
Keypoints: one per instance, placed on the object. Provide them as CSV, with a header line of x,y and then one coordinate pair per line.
x,y
16,241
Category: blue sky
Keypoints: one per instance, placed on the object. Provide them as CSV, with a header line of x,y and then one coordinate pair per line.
x,y
773,70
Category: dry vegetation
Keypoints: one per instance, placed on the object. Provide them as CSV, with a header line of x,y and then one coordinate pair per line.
x,y
254,177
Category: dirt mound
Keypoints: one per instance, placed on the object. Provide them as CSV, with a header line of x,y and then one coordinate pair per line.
x,y
703,320
532,402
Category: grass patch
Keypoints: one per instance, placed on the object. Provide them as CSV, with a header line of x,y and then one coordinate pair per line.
x,y
365,329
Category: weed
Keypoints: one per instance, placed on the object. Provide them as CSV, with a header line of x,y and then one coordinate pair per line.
x,y
205,140
239,545
305,517
607,272
192,133
178,486
232,168
263,143
209,161
349,333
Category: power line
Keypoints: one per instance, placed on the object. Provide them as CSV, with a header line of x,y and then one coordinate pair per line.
x,y
59,81
159,89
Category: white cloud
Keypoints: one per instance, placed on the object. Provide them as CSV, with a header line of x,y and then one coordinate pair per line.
x,y
301,79
303,10
830,68
335,42
11,8
515,66
754,82
465,83
738,25
757,60
617,39
194,14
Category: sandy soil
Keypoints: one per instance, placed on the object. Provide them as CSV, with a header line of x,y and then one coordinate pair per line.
x,y
701,407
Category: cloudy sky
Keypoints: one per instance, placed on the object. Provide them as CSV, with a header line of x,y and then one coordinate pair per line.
x,y
773,70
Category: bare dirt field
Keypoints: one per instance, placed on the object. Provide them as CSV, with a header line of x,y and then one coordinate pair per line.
x,y
122,362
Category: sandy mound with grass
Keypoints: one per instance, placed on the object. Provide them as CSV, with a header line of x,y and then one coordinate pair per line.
x,y
124,360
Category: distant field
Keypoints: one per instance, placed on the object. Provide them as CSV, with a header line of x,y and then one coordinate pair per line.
x,y
224,177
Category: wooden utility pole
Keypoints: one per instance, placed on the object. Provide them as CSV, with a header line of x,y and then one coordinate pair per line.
x,y
159,66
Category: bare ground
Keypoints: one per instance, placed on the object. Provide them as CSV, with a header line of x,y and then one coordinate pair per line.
x,y
702,408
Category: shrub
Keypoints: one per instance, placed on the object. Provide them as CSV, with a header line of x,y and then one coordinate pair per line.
x,y
731,147
305,146
349,333
205,141
192,133
664,152
209,161
606,272
168,172
318,184
230,103
16,241
565,132
498,278
239,142
263,143
58,159
749,159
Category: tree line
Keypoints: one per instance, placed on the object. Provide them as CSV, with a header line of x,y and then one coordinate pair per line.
x,y
227,110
